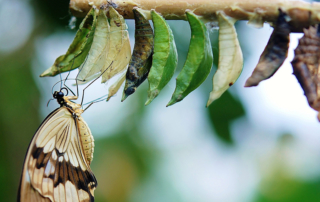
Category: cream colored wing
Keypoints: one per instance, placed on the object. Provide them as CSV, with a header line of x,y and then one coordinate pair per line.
x,y
55,168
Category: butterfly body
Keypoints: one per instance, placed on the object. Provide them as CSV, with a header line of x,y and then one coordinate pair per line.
x,y
86,139
57,164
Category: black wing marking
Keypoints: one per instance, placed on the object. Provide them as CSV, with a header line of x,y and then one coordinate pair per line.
x,y
55,168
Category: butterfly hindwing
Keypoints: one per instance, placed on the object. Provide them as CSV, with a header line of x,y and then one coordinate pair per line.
x,y
55,168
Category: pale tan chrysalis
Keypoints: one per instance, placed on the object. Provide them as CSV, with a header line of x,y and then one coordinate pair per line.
x,y
230,58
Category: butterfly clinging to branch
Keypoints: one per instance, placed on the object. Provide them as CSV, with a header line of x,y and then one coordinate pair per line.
x,y
57,164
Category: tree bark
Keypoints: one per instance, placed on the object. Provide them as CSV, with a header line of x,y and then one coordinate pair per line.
x,y
302,14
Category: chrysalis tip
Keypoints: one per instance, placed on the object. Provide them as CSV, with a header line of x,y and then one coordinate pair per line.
x,y
124,96
214,96
148,102
49,72
208,103
250,82
172,101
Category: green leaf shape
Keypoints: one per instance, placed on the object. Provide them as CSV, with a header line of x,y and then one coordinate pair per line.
x,y
90,68
165,57
78,49
138,68
230,58
222,113
198,63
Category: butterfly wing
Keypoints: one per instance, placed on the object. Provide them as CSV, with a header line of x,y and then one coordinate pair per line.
x,y
55,168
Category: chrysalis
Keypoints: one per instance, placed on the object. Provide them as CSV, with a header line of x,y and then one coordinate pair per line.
x,y
198,63
164,58
90,68
139,67
230,58
78,49
306,65
274,54
119,52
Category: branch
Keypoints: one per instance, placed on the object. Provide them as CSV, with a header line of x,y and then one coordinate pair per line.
x,y
302,14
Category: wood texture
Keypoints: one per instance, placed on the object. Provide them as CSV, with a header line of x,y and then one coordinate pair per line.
x,y
301,13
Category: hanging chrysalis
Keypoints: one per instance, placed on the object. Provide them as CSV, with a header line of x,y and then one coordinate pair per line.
x,y
274,54
230,58
164,59
119,52
198,63
90,68
141,58
79,48
306,65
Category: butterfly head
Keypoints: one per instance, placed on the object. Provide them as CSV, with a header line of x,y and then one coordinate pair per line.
x,y
59,96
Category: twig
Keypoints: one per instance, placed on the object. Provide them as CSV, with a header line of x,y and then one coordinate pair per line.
x,y
302,14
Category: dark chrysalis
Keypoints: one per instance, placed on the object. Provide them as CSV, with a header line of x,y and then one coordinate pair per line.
x,y
141,59
274,54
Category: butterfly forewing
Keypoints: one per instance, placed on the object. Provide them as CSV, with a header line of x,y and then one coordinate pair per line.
x,y
56,167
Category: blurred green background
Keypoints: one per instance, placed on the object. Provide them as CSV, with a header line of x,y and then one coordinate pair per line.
x,y
251,145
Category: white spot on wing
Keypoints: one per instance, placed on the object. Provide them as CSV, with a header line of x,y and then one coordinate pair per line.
x,y
47,188
62,192
71,192
84,195
60,158
52,170
56,194
48,168
32,164
49,146
37,179
54,155
66,157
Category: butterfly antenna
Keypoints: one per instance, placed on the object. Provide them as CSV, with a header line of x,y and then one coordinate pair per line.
x,y
49,101
60,79
94,81
53,87
59,82
64,83
63,88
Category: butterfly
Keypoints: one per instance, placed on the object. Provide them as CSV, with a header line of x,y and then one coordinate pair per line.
x,y
57,164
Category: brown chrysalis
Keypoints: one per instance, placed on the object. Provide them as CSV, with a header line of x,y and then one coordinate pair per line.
x,y
306,65
274,54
